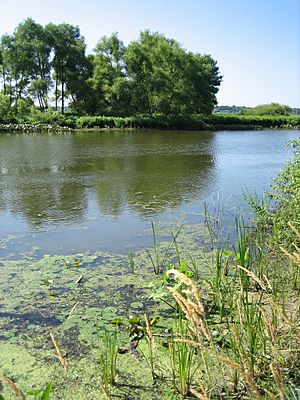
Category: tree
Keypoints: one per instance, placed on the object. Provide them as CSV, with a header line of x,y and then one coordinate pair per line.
x,y
33,47
153,75
69,61
269,109
4,107
109,77
166,79
8,66
203,81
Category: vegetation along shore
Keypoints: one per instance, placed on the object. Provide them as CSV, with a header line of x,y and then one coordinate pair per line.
x,y
153,82
53,122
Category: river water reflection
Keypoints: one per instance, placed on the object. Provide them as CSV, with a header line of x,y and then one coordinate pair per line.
x,y
87,191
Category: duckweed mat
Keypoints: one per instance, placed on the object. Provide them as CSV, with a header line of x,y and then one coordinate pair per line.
x,y
75,297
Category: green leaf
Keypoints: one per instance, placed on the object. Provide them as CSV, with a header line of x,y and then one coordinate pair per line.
x,y
46,393
117,321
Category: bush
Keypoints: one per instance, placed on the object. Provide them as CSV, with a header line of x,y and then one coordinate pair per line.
x,y
269,109
5,109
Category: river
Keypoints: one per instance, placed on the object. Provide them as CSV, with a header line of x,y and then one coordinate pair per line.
x,y
90,191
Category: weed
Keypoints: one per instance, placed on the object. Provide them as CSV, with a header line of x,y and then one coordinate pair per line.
x,y
131,263
181,360
108,357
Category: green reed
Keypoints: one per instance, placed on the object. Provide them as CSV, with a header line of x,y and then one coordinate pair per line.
x,y
108,357
131,262
181,359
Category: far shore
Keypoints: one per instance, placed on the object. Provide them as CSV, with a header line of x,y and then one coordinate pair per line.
x,y
68,122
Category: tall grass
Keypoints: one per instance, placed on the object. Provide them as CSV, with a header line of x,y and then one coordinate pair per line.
x,y
108,357
181,361
247,319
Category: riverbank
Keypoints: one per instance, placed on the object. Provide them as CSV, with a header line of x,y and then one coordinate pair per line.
x,y
57,122
171,321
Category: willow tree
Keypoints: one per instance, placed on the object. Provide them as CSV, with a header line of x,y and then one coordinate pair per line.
x,y
167,79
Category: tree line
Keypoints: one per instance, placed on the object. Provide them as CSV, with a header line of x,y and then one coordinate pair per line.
x,y
262,109
48,66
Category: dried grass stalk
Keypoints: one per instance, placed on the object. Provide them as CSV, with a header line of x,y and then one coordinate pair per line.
x,y
59,353
276,372
198,395
8,382
295,256
245,373
72,310
191,305
275,365
104,392
254,277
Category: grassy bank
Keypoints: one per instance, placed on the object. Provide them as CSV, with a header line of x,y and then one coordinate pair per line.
x,y
222,324
48,121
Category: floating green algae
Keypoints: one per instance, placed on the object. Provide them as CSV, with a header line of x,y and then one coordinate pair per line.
x,y
75,297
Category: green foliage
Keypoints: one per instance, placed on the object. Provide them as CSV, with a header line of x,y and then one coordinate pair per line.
x,y
108,357
153,79
131,262
192,122
24,107
41,394
71,66
182,362
240,121
196,122
284,207
166,79
48,116
152,75
109,77
269,109
286,195
5,108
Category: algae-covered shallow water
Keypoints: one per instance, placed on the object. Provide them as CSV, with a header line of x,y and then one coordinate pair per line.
x,y
76,297
91,191
72,208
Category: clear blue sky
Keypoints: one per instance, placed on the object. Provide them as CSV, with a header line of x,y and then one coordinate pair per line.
x,y
256,42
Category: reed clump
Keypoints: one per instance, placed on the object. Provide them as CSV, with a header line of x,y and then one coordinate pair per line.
x,y
253,349
243,331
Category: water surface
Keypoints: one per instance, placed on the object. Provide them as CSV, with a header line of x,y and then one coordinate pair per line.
x,y
88,191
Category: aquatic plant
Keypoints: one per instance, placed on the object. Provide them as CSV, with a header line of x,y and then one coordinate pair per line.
x,y
108,357
131,262
41,394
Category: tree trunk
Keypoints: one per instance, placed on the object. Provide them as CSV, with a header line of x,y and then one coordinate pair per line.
x,y
10,92
4,80
56,94
62,98
62,88
40,102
